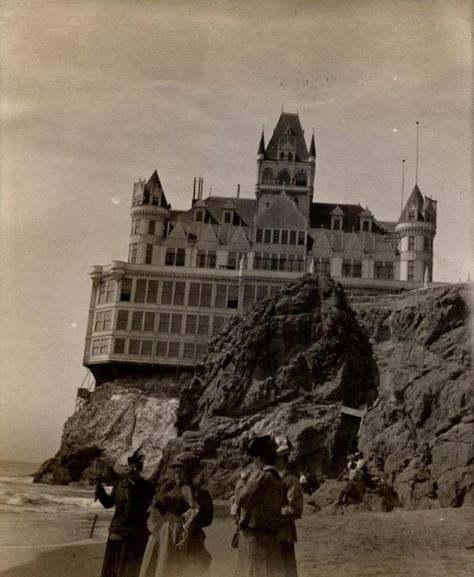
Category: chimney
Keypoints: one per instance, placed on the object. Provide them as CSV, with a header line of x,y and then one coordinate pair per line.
x,y
238,191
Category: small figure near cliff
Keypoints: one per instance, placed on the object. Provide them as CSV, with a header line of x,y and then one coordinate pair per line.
x,y
176,547
260,499
292,509
128,531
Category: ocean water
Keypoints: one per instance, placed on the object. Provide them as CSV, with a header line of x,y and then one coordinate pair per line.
x,y
39,515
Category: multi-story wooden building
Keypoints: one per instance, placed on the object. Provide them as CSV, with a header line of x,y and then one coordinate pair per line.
x,y
189,270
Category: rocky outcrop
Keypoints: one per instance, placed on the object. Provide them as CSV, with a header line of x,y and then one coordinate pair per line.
x,y
422,422
287,367
119,416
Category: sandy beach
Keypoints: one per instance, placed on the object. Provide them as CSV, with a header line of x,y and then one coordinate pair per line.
x,y
436,543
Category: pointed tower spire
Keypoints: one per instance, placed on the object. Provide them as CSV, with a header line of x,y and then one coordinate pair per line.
x,y
261,147
312,149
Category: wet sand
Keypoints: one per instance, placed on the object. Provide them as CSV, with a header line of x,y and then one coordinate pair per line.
x,y
437,543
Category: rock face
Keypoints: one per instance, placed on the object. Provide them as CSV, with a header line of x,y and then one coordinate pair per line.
x,y
285,367
422,423
120,416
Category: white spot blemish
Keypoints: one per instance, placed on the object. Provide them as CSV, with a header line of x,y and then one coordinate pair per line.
x,y
394,130
116,200
74,325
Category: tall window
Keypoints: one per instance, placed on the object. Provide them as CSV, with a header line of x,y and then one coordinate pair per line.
x,y
426,244
411,243
267,176
149,324
134,347
322,266
267,237
103,321
140,290
352,268
119,346
164,323
199,216
259,235
106,291
126,289
228,217
193,297
167,293
149,254
346,268
411,270
412,215
176,322
151,227
179,288
132,254
206,294
301,237
175,257
203,325
206,259
284,237
190,324
152,294
276,236
292,236
188,350
383,270
337,223
173,349
161,348
147,347
122,320
217,324
137,319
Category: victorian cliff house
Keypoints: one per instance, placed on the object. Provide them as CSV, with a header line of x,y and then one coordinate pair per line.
x,y
189,270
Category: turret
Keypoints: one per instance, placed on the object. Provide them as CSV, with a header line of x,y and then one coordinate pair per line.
x,y
285,165
149,214
416,229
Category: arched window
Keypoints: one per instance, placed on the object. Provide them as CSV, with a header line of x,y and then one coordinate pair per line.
x,y
268,176
301,179
284,178
290,156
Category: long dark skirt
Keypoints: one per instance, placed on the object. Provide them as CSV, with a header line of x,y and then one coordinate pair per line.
x,y
259,554
123,558
288,558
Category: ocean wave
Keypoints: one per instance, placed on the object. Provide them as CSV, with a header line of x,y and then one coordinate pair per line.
x,y
16,500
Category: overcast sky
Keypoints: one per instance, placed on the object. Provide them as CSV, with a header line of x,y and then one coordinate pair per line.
x,y
95,95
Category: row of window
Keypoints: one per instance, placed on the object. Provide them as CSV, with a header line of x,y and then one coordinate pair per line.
x,y
148,348
284,262
147,321
148,227
279,236
283,177
133,253
427,243
384,270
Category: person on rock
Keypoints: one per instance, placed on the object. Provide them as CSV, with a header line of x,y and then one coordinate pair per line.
x,y
291,510
260,500
176,547
128,534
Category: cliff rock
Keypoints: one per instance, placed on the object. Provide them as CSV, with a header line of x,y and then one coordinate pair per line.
x,y
119,416
422,423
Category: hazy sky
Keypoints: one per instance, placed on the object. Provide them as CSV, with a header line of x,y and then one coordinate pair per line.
x,y
95,95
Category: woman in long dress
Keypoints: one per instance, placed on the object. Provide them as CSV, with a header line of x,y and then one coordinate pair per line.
x,y
128,533
260,499
176,546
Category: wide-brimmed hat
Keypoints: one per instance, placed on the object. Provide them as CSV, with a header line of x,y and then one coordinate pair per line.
x,y
262,446
283,445
128,461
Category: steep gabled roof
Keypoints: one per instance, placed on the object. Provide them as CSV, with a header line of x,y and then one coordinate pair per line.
x,y
414,203
320,216
287,123
244,207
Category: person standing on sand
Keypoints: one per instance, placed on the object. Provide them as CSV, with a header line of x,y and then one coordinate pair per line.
x,y
291,510
128,533
176,547
260,499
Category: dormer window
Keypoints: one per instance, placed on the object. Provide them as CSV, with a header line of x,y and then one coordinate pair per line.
x,y
199,216
336,218
228,217
412,215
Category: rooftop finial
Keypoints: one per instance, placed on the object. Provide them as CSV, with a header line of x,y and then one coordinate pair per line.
x,y
403,182
417,149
